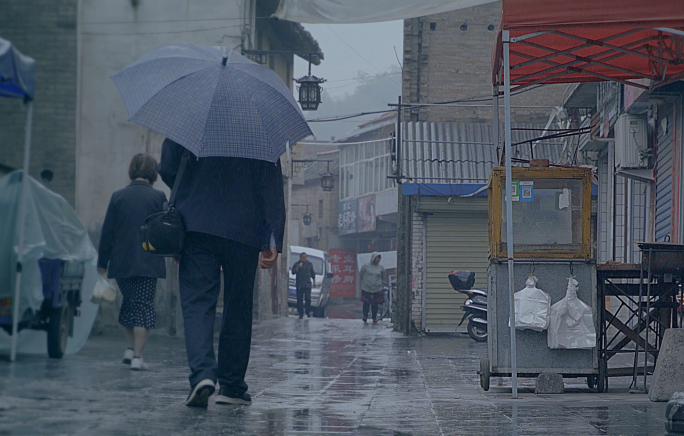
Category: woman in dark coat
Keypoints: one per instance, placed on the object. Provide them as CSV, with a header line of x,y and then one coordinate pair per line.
x,y
122,257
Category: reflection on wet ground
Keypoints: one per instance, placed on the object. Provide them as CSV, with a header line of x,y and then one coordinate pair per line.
x,y
314,377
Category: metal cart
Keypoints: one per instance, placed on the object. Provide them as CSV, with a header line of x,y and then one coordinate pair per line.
x,y
62,282
553,243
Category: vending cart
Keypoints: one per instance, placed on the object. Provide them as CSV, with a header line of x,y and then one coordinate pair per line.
x,y
551,241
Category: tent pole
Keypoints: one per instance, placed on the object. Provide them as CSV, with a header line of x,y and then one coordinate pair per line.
x,y
509,204
495,119
22,227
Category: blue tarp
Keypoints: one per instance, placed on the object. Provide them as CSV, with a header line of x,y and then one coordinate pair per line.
x,y
17,72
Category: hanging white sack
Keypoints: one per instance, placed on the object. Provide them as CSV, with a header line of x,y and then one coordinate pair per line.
x,y
532,307
571,323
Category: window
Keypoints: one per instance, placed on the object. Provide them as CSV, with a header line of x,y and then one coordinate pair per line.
x,y
364,169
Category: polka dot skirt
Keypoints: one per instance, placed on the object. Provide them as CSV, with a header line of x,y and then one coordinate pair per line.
x,y
137,309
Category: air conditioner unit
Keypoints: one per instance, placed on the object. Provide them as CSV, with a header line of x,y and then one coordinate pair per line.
x,y
631,142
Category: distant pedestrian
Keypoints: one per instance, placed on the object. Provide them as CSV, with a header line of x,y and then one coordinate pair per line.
x,y
372,275
122,257
304,271
234,214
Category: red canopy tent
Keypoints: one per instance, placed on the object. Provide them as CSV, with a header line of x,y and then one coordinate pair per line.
x,y
566,41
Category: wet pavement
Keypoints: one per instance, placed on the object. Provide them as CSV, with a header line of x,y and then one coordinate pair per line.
x,y
308,377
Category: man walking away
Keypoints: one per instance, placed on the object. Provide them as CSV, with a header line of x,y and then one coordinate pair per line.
x,y
234,214
304,271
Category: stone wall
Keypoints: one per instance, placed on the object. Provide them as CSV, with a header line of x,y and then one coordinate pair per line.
x,y
447,57
46,31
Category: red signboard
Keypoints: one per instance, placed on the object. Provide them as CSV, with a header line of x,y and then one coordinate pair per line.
x,y
344,273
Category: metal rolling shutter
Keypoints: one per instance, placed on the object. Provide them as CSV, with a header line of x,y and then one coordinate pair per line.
x,y
663,214
454,241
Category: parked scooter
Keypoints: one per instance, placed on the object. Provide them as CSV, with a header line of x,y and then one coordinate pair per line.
x,y
475,306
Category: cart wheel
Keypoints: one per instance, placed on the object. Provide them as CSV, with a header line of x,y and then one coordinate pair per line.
x,y
602,379
58,331
591,381
485,373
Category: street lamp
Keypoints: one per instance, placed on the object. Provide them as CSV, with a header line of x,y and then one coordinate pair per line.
x,y
306,218
327,180
309,91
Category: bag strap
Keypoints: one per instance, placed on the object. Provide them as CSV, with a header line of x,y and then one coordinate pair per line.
x,y
179,176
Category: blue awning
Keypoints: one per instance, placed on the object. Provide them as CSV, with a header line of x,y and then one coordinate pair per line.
x,y
17,72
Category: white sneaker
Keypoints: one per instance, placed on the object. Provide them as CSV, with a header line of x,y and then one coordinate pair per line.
x,y
137,364
128,356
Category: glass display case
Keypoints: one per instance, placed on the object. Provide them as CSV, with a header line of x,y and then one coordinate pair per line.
x,y
551,213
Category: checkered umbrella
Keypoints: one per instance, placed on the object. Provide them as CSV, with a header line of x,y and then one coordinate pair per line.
x,y
212,101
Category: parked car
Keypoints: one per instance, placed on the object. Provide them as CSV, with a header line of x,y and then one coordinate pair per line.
x,y
319,294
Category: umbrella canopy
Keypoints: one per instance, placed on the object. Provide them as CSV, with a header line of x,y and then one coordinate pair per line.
x,y
17,72
213,102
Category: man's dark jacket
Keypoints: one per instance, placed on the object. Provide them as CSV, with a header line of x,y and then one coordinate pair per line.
x,y
304,275
233,198
121,252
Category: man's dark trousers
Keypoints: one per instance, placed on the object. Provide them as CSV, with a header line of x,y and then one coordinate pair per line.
x,y
303,294
200,285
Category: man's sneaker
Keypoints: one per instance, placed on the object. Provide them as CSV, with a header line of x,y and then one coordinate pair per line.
x,y
227,396
137,364
365,319
199,395
375,321
128,356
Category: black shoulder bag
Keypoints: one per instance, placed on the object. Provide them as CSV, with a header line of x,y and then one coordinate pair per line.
x,y
163,232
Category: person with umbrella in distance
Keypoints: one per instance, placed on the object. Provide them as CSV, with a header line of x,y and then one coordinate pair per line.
x,y
372,275
234,118
303,270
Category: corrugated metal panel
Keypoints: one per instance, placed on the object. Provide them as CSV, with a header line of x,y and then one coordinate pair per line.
x,y
454,241
663,213
464,153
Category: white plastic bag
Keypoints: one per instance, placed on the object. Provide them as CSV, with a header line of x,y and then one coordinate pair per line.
x,y
104,291
571,322
532,307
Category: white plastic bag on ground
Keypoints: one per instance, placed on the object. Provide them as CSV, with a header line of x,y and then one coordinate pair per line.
x,y
571,323
104,291
532,307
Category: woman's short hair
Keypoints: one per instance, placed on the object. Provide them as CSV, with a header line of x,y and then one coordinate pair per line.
x,y
143,166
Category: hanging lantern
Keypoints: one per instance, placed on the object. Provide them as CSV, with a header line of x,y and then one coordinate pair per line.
x,y
307,219
309,92
327,180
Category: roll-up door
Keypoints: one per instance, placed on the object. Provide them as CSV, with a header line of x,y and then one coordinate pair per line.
x,y
454,241
663,212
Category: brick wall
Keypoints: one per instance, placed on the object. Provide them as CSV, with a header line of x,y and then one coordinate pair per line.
x,y
448,57
46,31
417,269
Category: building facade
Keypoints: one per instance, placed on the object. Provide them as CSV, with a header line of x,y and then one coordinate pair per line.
x,y
635,143
81,131
447,152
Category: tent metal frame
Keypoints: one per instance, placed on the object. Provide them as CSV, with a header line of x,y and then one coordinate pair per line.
x,y
665,55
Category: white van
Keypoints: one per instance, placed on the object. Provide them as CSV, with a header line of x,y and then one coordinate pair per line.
x,y
321,293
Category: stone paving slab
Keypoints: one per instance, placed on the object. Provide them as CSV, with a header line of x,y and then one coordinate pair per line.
x,y
308,377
